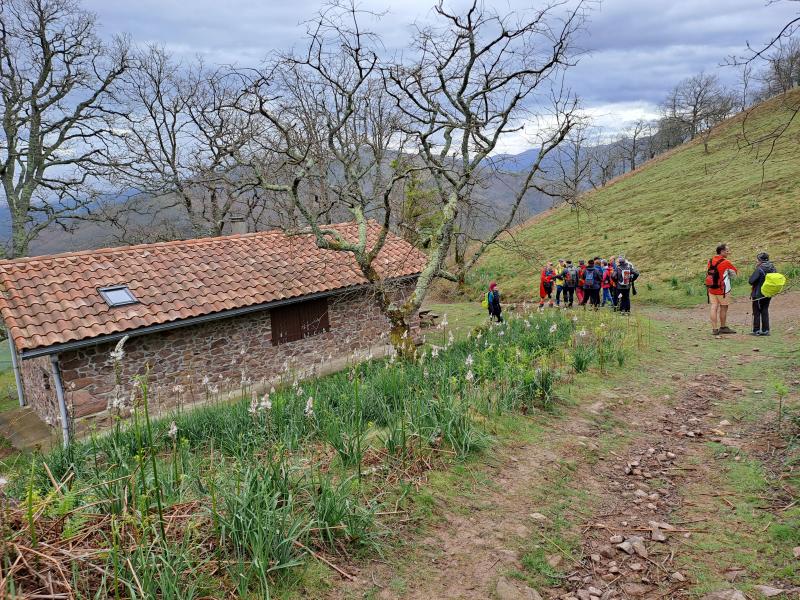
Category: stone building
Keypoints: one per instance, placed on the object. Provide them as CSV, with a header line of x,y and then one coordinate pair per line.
x,y
200,318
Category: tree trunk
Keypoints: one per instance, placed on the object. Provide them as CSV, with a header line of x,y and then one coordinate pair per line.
x,y
400,336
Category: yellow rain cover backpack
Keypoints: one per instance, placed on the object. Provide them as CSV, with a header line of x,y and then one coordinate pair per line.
x,y
773,284
485,301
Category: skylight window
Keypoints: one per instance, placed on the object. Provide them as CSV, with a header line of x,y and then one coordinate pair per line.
x,y
119,295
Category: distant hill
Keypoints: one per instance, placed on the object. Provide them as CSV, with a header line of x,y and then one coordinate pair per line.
x,y
670,213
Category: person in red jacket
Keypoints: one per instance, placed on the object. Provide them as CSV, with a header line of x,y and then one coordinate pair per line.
x,y
546,285
718,283
581,272
607,282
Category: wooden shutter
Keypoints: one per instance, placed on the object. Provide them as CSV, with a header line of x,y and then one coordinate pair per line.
x,y
301,320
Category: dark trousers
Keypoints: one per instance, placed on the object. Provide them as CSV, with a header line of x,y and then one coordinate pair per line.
x,y
625,299
761,314
591,296
559,291
614,298
569,295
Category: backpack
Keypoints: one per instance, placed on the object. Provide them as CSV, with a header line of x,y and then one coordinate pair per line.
x,y
590,278
570,276
773,284
713,280
486,300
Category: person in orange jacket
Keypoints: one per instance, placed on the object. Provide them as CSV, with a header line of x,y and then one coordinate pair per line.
x,y
546,285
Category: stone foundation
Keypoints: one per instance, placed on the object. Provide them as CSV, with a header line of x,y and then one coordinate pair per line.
x,y
189,365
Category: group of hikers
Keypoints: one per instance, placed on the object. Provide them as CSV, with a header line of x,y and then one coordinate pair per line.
x,y
599,282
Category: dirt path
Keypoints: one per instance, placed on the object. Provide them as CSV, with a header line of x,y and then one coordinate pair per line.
x,y
630,494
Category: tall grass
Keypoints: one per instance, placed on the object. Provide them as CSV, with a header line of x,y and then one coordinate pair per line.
x,y
237,494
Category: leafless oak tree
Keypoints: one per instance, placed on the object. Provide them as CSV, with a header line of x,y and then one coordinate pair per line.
x,y
698,103
183,141
476,78
56,79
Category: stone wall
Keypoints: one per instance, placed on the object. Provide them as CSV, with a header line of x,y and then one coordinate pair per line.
x,y
189,365
40,389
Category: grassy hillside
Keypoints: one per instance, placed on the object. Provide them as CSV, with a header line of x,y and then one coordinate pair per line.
x,y
669,215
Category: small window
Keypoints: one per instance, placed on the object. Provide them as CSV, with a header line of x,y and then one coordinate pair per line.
x,y
299,321
118,295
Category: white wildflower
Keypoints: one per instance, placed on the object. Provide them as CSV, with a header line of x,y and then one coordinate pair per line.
x,y
173,430
528,324
602,325
271,390
300,392
405,335
253,405
582,333
450,339
501,333
206,380
470,376
479,336
434,351
3,482
117,354
242,351
469,361
444,320
553,328
309,409
266,403
425,373
178,388
214,389
575,319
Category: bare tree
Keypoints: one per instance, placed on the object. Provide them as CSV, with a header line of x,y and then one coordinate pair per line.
x,y
574,165
56,79
635,142
698,103
183,140
477,77
755,55
782,71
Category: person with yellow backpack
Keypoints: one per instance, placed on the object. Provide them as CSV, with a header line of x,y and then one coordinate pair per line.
x,y
766,282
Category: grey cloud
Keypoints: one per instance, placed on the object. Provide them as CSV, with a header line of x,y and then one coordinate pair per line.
x,y
636,49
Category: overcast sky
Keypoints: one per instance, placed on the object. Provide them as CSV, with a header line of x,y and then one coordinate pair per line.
x,y
636,49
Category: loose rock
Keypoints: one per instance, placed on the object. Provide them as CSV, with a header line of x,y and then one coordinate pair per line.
x,y
656,535
512,590
768,591
677,576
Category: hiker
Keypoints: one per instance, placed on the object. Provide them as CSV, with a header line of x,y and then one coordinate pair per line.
x,y
718,285
760,301
493,303
592,280
612,265
546,285
559,278
570,276
624,276
579,288
606,282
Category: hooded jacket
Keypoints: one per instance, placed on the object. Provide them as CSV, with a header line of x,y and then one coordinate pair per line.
x,y
757,278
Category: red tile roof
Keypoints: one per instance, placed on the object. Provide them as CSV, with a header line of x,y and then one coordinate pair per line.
x,y
49,300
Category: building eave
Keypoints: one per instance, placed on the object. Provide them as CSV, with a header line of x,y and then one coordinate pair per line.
x,y
225,314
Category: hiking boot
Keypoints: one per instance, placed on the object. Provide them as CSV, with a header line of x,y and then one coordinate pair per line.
x,y
726,329
764,333
755,333
715,332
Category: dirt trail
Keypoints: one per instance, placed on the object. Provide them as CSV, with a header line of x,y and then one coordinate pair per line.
x,y
636,457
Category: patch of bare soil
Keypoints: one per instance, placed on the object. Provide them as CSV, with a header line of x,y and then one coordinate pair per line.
x,y
632,543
